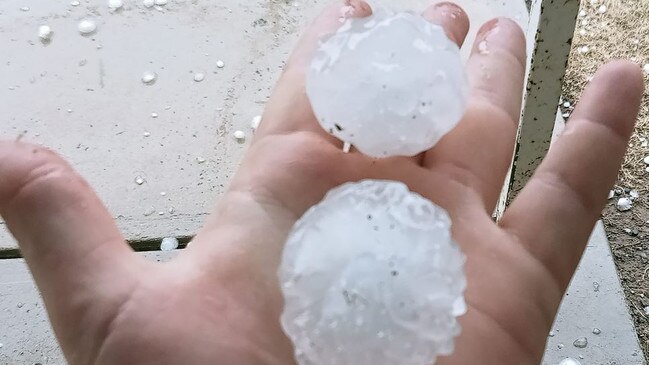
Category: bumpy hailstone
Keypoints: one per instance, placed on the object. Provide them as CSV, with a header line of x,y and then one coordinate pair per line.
x,y
371,275
624,204
389,84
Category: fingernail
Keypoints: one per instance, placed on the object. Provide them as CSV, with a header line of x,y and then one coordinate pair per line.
x,y
449,9
354,9
489,28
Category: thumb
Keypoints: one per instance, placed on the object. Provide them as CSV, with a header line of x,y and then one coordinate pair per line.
x,y
71,243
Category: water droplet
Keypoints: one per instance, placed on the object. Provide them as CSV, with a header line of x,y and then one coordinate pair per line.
x,y
483,47
239,136
115,4
147,134
220,64
552,333
171,210
169,244
148,3
597,331
581,342
595,286
200,160
45,33
154,115
20,304
139,180
560,346
163,193
161,213
87,27
149,77
149,211
198,77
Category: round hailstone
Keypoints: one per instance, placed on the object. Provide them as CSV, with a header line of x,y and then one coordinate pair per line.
x,y
87,27
148,3
149,77
239,136
115,4
45,33
384,95
220,64
169,244
371,275
198,77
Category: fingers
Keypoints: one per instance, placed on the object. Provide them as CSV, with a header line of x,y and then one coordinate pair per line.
x,y
479,149
68,238
555,213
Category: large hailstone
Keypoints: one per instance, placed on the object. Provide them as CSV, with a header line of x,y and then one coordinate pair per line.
x,y
371,275
389,84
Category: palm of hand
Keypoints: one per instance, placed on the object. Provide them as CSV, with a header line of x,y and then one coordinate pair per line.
x,y
218,301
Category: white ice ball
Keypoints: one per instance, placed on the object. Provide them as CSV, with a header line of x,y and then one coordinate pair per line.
x,y
389,84
87,27
371,275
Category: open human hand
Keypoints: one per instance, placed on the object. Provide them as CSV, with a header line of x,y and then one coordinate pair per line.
x,y
219,302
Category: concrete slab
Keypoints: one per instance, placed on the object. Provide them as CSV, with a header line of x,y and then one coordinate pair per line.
x,y
595,300
26,336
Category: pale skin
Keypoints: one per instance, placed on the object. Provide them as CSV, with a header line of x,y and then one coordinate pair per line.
x,y
218,302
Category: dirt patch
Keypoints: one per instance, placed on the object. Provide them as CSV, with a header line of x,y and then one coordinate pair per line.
x,y
607,30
